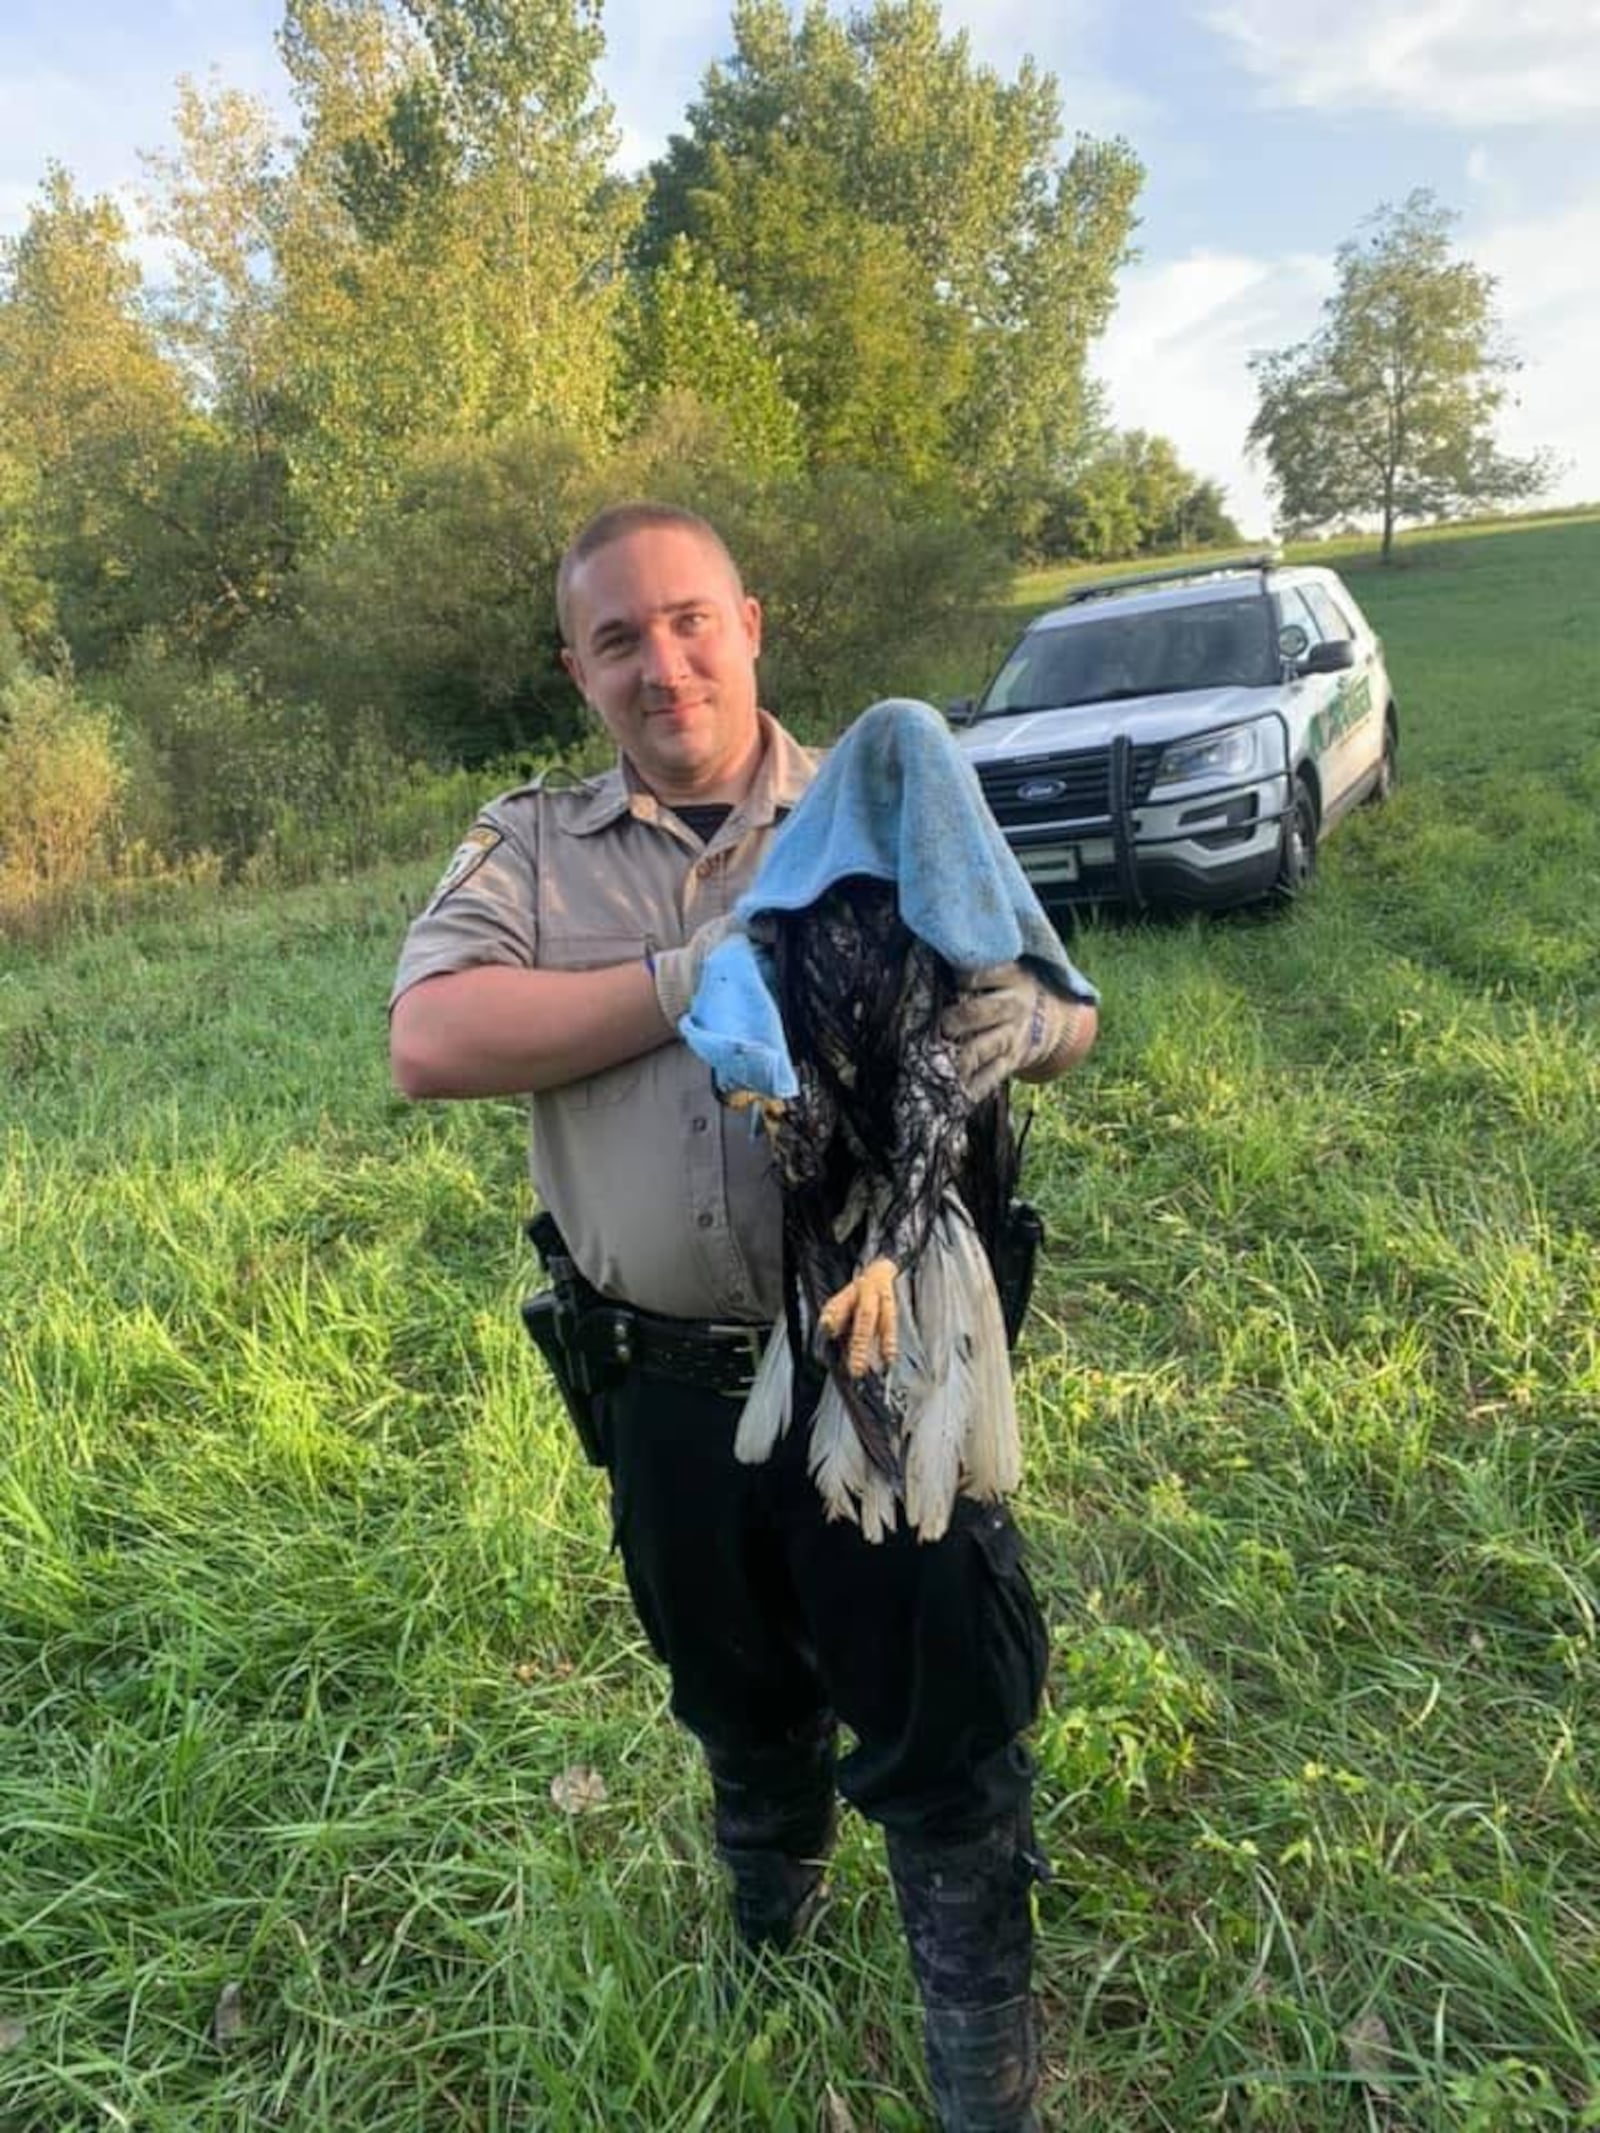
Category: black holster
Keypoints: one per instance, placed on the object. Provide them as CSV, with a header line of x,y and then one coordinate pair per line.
x,y
568,1323
1016,1262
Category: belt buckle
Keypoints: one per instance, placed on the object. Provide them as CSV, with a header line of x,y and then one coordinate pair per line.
x,y
753,1339
756,1339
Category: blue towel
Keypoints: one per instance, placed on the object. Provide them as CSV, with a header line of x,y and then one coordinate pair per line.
x,y
733,1023
896,800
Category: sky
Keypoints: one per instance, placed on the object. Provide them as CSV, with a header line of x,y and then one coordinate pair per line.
x,y
1267,134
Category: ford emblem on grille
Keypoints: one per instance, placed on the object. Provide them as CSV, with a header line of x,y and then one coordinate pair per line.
x,y
1042,789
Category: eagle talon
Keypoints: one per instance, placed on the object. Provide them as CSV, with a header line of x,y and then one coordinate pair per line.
x,y
771,1108
867,1306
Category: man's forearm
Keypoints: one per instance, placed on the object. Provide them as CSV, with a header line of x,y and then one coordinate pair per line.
x,y
497,1031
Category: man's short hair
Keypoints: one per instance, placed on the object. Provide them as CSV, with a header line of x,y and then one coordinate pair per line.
x,y
615,523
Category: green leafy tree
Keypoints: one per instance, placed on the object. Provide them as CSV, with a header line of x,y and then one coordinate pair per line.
x,y
1202,520
436,616
27,598
451,248
1388,409
872,585
219,203
104,453
79,364
1134,495
894,219
1096,519
876,363
684,333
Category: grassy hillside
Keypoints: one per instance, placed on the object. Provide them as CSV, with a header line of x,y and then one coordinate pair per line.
x,y
305,1600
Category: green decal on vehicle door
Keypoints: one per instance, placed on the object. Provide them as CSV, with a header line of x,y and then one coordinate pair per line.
x,y
1355,701
1352,701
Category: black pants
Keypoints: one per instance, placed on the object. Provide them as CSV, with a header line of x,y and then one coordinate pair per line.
x,y
775,1622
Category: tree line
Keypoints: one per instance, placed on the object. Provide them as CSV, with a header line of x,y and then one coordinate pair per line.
x,y
862,252
278,520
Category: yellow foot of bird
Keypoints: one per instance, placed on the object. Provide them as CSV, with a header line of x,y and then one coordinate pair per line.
x,y
867,1306
771,1108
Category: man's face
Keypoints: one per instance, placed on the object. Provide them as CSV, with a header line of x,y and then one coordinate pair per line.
x,y
664,647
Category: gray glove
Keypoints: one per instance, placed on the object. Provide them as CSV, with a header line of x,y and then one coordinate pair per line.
x,y
677,970
1007,1021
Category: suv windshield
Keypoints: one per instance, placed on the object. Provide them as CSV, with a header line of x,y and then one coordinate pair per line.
x,y
1210,644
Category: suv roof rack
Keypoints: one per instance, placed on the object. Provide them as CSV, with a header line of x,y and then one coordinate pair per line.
x,y
1227,566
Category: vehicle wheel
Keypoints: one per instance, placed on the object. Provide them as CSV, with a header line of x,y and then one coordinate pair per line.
x,y
1388,766
1297,857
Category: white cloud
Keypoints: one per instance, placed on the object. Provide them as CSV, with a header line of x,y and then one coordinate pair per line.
x,y
98,121
1549,300
1467,62
1543,264
1176,357
40,109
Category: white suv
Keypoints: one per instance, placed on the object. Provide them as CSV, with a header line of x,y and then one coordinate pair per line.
x,y
1184,736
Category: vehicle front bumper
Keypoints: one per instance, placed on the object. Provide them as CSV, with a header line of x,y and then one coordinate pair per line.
x,y
1209,848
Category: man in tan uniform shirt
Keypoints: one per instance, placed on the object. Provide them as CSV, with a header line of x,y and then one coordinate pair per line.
x,y
556,958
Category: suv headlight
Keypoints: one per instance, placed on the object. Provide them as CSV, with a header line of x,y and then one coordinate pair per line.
x,y
1230,753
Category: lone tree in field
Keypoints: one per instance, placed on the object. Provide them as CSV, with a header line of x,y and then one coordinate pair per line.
x,y
1388,408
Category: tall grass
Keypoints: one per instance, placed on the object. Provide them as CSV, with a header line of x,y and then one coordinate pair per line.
x,y
305,1599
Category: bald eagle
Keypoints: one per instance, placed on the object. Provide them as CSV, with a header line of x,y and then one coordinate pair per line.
x,y
889,887
895,1191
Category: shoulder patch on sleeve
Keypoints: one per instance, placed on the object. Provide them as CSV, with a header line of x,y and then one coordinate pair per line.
x,y
465,861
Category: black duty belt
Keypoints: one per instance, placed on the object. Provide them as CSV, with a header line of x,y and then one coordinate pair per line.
x,y
713,1354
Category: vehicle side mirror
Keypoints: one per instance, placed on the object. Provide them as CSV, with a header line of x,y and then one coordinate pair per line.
x,y
961,711
1331,658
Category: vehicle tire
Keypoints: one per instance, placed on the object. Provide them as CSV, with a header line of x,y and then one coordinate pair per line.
x,y
1388,764
1297,856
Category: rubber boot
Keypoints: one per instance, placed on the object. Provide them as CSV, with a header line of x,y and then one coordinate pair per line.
x,y
775,1825
968,1913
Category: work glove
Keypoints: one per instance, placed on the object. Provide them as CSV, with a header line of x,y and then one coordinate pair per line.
x,y
1007,1021
677,970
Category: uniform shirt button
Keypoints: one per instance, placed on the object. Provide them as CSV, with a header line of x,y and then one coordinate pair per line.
x,y
699,1125
705,1219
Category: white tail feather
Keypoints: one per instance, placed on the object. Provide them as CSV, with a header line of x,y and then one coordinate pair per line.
x,y
943,1414
769,1403
962,1419
993,1449
838,1462
912,1370
933,1465
951,1382
879,1510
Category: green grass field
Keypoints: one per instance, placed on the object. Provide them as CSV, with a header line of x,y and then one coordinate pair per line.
x,y
305,1600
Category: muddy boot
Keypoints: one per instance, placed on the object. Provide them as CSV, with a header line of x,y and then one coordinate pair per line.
x,y
968,1914
775,1822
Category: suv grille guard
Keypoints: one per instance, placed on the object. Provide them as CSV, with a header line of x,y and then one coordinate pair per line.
x,y
1126,860
1130,778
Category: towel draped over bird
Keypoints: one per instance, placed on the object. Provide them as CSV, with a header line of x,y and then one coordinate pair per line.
x,y
887,885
